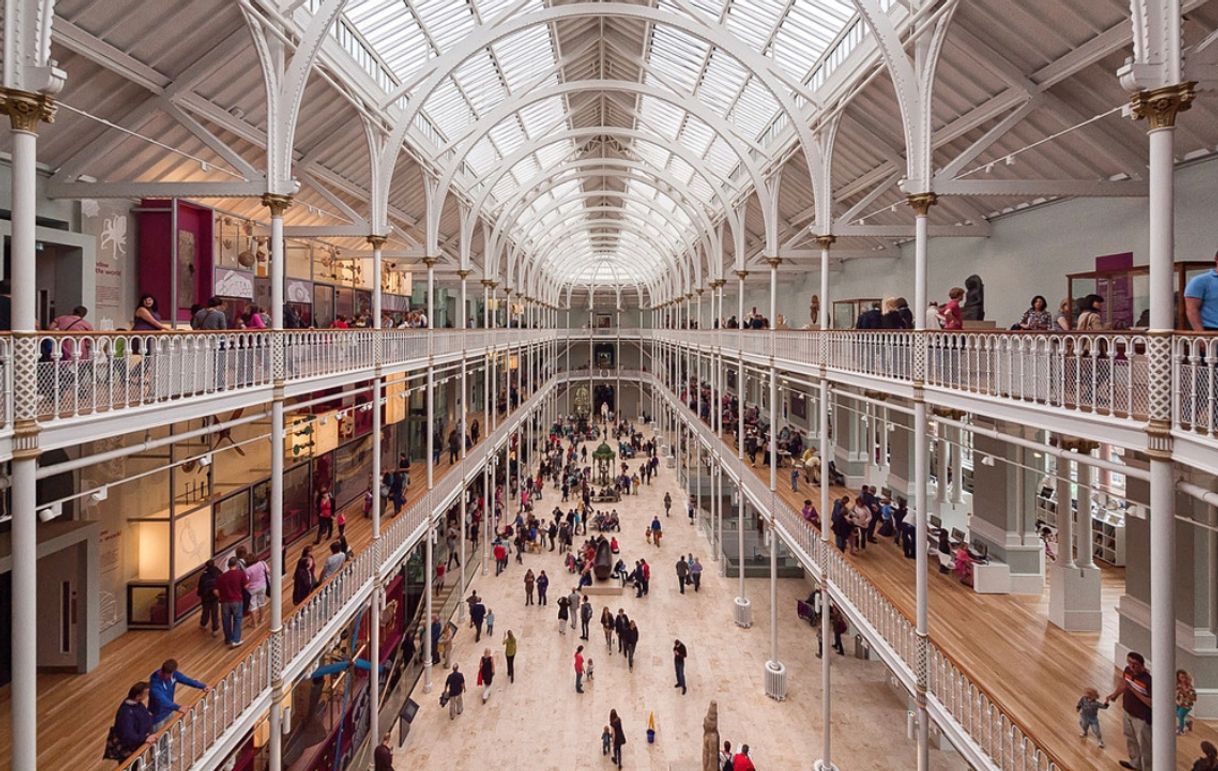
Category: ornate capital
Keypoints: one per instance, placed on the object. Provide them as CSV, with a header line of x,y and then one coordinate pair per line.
x,y
1160,106
463,274
717,283
1075,444
921,202
826,241
430,262
773,262
377,242
277,203
1158,440
507,290
489,284
26,109
742,274
948,412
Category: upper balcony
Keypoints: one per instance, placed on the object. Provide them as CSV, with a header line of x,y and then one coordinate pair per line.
x,y
1094,383
106,380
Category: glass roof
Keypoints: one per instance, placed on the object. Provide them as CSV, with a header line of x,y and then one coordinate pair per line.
x,y
394,40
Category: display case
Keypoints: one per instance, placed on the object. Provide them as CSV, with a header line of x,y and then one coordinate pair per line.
x,y
1126,292
846,312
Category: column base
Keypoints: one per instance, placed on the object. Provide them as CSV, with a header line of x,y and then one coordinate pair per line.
x,y
744,612
1074,598
821,765
775,680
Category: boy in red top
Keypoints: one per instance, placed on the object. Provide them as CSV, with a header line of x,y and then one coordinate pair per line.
x,y
230,586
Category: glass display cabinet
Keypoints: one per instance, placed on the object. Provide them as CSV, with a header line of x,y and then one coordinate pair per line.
x,y
1126,292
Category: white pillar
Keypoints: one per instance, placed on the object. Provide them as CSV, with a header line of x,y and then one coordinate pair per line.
x,y
26,110
277,204
921,205
1065,514
826,320
1082,532
1160,108
429,558
826,629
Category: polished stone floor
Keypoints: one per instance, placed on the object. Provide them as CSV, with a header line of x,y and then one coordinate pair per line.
x,y
540,722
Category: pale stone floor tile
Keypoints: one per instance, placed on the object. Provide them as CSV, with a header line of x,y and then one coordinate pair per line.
x,y
540,722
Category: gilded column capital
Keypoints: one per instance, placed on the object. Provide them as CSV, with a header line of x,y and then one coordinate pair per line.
x,y
773,262
278,204
742,274
463,274
717,283
1075,444
826,240
948,412
1160,106
489,283
430,262
921,202
26,109
377,242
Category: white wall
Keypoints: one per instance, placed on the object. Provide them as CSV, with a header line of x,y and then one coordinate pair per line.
x,y
1027,253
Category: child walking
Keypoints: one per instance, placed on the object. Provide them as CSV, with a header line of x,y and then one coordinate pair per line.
x,y
588,669
1186,697
606,740
1089,707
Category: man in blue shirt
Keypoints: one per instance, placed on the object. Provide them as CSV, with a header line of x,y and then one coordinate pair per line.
x,y
161,685
1201,301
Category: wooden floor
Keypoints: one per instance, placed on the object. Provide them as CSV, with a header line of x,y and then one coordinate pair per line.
x,y
75,711
1006,643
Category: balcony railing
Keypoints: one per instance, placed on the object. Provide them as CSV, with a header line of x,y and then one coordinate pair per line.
x,y
244,692
100,372
1105,374
974,710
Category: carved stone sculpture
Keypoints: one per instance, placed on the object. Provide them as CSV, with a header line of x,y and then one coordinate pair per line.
x,y
974,299
710,738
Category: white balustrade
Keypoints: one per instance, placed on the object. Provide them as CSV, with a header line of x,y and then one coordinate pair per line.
x,y
1195,381
99,372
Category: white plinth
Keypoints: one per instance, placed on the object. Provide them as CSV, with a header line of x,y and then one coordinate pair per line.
x,y
744,612
821,765
1074,598
775,680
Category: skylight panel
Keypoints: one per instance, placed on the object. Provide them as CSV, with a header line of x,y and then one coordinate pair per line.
x,y
448,109
697,136
663,117
553,154
755,21
480,81
721,158
507,136
677,58
392,31
447,22
481,157
524,56
756,108
542,117
723,80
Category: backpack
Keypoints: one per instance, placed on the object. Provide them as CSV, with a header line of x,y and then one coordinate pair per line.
x,y
728,765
